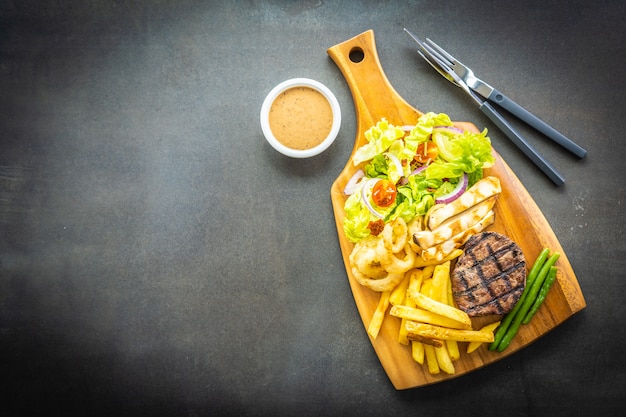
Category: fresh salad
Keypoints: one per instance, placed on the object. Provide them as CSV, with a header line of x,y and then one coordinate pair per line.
x,y
408,169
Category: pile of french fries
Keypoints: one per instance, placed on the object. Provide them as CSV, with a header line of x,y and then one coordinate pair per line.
x,y
431,324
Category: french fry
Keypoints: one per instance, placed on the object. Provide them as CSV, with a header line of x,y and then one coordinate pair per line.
x,y
444,333
417,348
446,297
425,316
453,349
452,345
425,340
427,286
437,307
415,283
431,359
472,346
402,339
443,359
441,274
450,297
398,294
441,278
379,314
417,352
428,271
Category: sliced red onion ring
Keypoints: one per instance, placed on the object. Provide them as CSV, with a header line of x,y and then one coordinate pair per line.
x,y
354,182
419,169
365,191
454,194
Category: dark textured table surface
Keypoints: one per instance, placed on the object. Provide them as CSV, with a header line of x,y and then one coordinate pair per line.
x,y
157,257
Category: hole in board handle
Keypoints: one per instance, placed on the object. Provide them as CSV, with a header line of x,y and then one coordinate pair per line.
x,y
356,55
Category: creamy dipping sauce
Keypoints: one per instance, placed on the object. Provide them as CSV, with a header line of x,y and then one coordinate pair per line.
x,y
301,118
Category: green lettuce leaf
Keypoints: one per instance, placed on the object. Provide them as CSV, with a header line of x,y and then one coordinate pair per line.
x,y
380,137
377,168
458,153
357,218
424,127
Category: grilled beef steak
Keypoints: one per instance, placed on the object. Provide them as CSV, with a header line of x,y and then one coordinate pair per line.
x,y
490,275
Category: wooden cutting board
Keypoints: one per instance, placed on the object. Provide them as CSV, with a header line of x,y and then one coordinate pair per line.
x,y
517,216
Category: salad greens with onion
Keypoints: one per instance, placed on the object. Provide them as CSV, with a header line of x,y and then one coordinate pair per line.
x,y
406,170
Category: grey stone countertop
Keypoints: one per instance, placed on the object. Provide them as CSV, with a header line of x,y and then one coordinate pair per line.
x,y
158,257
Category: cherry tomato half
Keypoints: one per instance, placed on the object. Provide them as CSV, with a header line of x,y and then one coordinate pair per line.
x,y
426,152
384,193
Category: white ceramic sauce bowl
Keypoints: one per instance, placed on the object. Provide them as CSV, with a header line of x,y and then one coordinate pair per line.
x,y
293,83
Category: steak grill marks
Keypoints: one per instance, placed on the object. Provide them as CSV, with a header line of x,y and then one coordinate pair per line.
x,y
485,283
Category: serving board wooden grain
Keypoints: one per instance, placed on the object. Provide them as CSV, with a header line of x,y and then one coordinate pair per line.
x,y
517,216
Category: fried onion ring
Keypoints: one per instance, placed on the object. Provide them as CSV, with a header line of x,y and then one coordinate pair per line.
x,y
395,235
368,263
395,265
365,257
367,266
379,262
386,283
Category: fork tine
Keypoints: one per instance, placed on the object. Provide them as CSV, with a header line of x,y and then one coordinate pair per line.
x,y
451,60
437,67
441,60
429,54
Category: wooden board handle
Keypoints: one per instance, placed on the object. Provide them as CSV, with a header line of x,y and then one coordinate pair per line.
x,y
374,96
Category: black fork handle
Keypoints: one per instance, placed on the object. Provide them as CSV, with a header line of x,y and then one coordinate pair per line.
x,y
532,120
521,143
